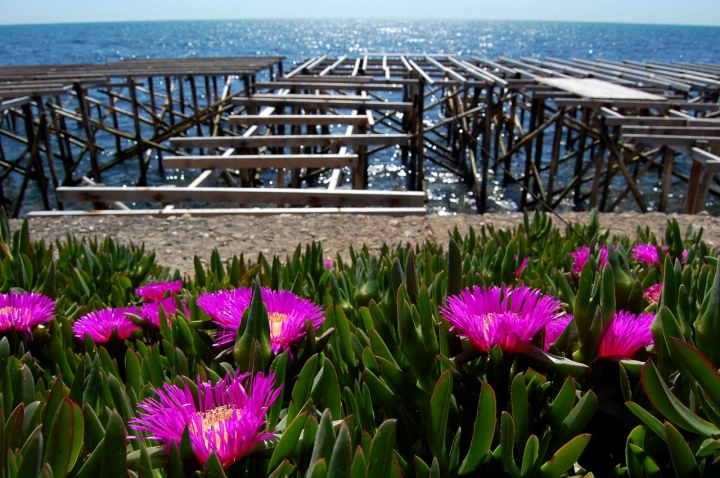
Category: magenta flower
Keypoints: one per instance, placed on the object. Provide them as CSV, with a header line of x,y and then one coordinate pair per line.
x,y
22,312
506,317
226,307
626,335
227,418
151,310
684,255
646,253
101,323
555,328
328,264
522,267
287,314
581,256
157,290
652,293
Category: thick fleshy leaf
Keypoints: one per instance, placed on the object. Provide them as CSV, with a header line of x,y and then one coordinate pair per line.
x,y
672,408
507,445
565,457
114,462
483,432
285,448
380,460
700,368
439,411
65,438
682,457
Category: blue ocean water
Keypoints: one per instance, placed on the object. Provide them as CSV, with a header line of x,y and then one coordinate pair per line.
x,y
298,40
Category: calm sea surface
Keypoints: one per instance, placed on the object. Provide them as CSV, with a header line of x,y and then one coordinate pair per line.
x,y
298,40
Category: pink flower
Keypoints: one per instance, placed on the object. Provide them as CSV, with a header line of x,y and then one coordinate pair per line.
x,y
22,312
225,307
554,329
520,269
227,418
646,253
652,293
504,316
581,256
328,264
684,255
287,314
157,290
626,335
100,324
151,310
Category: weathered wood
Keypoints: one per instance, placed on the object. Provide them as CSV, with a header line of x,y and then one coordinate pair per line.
x,y
298,119
339,103
310,197
202,212
262,161
290,140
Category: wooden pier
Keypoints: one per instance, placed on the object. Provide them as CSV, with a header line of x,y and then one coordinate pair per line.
x,y
603,134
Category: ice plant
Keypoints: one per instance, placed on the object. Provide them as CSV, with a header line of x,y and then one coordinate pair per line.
x,y
23,311
225,307
328,264
555,328
652,293
684,255
157,290
503,316
581,256
227,418
100,324
646,253
522,267
287,314
151,310
626,335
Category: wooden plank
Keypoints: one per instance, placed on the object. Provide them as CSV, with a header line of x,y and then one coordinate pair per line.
x,y
672,140
658,121
309,97
599,89
262,161
379,211
298,119
659,105
310,197
338,103
288,141
337,84
671,130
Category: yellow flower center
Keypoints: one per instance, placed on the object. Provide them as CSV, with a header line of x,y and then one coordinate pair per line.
x,y
276,321
7,310
211,420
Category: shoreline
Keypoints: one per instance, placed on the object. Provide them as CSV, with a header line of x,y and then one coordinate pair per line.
x,y
176,240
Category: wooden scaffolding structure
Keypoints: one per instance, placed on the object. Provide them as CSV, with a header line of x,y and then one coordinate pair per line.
x,y
560,132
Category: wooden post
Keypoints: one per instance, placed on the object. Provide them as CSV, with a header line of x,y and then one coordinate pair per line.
x,y
510,129
581,157
88,131
142,180
668,160
45,130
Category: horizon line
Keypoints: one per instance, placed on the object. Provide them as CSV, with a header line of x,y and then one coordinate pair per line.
x,y
90,22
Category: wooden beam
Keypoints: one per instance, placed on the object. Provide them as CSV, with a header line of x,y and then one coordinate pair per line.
x,y
202,212
262,161
298,119
289,140
338,103
310,197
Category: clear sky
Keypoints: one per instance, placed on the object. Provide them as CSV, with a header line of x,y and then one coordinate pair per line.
x,y
690,12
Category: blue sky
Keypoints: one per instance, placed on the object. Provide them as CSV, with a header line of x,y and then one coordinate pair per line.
x,y
690,12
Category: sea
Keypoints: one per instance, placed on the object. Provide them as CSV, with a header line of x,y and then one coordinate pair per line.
x,y
298,40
